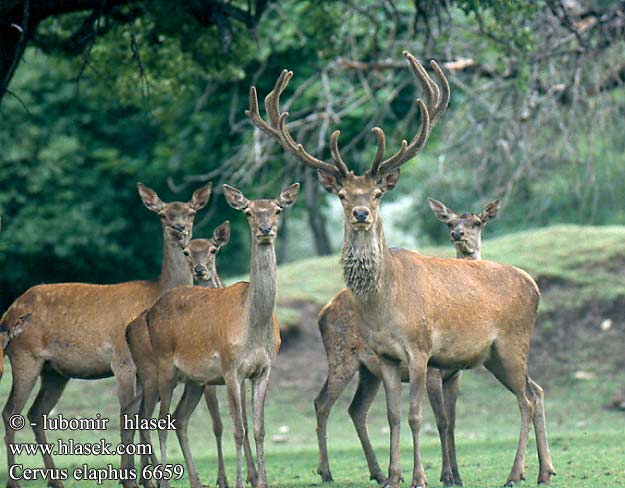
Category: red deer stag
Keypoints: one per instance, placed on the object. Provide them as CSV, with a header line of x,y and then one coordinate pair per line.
x,y
416,311
78,329
200,254
226,335
347,353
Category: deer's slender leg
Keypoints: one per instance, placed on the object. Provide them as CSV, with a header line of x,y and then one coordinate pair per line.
x,y
190,398
368,386
166,385
149,399
252,475
391,378
451,386
125,374
437,401
332,389
259,394
512,374
233,385
25,372
52,387
540,429
210,396
418,373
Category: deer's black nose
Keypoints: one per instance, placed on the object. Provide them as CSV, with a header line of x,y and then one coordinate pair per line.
x,y
178,227
199,269
456,235
360,214
264,229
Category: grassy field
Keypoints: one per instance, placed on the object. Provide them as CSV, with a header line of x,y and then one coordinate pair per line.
x,y
580,269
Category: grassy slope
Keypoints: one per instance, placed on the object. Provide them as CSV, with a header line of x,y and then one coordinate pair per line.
x,y
586,439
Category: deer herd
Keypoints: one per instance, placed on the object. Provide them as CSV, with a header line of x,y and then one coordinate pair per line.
x,y
402,318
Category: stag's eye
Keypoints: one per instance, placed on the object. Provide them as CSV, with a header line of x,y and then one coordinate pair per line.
x,y
478,223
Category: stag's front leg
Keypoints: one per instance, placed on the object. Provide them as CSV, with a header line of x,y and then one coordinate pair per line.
x,y
391,377
259,393
233,385
417,371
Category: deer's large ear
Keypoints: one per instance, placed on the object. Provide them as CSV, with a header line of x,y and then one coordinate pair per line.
x,y
490,211
442,213
221,235
200,197
388,181
288,196
150,199
235,198
329,182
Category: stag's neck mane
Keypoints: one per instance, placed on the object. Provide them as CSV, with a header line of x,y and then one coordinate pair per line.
x,y
175,270
365,261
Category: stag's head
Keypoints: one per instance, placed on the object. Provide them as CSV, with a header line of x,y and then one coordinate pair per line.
x,y
262,215
359,195
176,217
201,254
465,229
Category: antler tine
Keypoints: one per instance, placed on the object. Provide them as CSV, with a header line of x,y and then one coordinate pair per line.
x,y
298,150
435,106
379,154
336,155
277,129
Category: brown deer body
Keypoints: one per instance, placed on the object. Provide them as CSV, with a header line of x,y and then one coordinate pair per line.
x,y
78,330
200,254
9,332
347,353
416,311
226,335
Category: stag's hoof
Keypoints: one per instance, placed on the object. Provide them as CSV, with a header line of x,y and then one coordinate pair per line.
x,y
222,481
545,478
252,477
515,480
326,475
447,478
393,481
379,477
420,482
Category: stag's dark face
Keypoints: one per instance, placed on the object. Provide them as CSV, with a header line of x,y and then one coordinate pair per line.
x,y
360,197
262,215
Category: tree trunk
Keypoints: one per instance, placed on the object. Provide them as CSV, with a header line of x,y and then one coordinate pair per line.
x,y
316,220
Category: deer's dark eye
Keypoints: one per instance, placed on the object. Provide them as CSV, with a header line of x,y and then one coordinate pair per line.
x,y
341,195
278,211
377,195
186,253
247,212
478,224
213,251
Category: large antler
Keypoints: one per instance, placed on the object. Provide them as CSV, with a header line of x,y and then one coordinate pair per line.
x,y
277,129
435,106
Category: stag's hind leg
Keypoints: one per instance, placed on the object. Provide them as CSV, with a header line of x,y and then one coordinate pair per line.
x,y
451,386
52,387
540,429
25,371
335,384
437,402
368,386
511,371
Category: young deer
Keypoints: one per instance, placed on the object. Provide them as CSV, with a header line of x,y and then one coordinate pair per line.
x,y
8,333
78,330
200,255
414,311
347,353
223,335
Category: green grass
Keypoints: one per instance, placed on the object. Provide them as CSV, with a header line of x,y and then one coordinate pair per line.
x,y
586,440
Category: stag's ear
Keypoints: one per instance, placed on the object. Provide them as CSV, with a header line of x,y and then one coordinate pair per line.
x,y
490,211
235,198
200,197
442,213
288,196
221,235
150,199
329,182
388,181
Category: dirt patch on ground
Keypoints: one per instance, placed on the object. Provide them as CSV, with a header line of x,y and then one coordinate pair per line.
x,y
588,339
